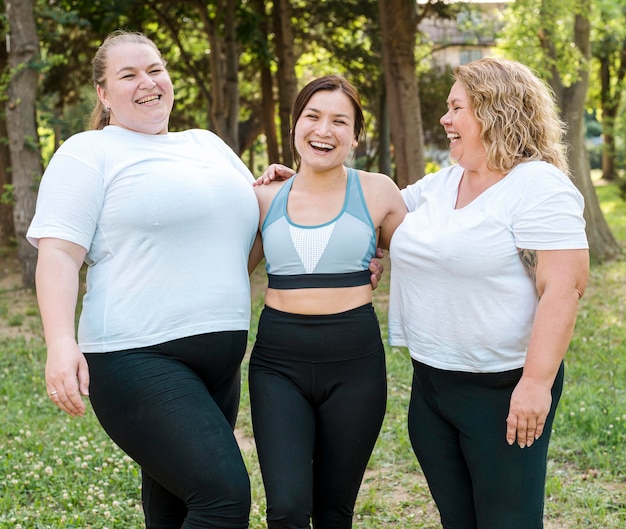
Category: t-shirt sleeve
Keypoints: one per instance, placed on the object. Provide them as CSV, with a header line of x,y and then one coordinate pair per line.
x,y
554,218
411,194
69,201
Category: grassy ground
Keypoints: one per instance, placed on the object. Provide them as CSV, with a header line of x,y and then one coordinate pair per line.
x,y
56,471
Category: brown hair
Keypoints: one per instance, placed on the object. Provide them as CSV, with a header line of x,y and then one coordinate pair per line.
x,y
100,115
517,113
330,83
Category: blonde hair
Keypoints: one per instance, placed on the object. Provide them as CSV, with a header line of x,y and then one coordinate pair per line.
x,y
517,113
100,115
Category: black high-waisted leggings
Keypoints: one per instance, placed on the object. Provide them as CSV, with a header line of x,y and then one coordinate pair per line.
x,y
318,395
457,426
172,408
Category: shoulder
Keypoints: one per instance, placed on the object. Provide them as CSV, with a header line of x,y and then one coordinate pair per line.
x,y
91,138
265,193
538,178
377,182
438,182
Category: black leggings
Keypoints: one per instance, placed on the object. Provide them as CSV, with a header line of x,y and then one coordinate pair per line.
x,y
318,394
457,426
172,408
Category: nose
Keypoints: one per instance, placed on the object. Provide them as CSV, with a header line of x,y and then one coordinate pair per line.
x,y
323,126
146,81
445,118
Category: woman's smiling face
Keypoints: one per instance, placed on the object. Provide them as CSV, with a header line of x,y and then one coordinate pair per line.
x,y
137,89
324,132
463,130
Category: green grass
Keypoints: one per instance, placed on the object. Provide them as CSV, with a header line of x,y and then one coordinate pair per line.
x,y
57,471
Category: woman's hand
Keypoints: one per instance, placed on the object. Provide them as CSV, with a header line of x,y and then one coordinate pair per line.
x,y
67,377
528,411
275,171
376,268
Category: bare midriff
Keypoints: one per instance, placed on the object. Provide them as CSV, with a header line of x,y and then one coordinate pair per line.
x,y
318,300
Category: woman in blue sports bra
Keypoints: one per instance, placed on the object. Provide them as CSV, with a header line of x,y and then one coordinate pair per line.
x,y
317,372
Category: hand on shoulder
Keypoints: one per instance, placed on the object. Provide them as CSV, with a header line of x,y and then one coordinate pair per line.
x,y
274,171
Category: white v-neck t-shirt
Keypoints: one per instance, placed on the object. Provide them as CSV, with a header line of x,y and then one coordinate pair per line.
x,y
460,298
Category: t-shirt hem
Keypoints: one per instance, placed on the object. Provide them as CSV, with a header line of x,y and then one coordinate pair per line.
x,y
467,368
146,341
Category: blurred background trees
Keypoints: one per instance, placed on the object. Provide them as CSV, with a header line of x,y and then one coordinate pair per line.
x,y
238,64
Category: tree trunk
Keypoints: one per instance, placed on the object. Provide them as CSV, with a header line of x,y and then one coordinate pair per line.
x,y
7,230
398,21
287,83
269,115
602,244
384,144
609,152
610,96
268,109
21,122
571,100
231,82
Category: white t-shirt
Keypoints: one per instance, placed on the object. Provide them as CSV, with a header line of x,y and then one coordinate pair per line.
x,y
168,221
460,298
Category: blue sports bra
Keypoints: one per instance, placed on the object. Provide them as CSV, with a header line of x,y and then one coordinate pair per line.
x,y
335,254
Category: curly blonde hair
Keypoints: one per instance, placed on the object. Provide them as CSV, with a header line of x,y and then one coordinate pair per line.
x,y
517,113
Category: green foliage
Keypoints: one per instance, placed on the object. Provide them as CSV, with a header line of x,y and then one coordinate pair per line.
x,y
552,20
7,197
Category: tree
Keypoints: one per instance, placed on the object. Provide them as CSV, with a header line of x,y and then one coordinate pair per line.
x,y
398,23
555,40
609,49
7,229
264,59
286,72
23,52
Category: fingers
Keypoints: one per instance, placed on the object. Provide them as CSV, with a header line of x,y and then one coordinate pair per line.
x,y
275,171
523,431
265,178
376,269
68,401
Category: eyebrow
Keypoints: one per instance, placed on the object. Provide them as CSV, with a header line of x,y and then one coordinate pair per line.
x,y
313,109
135,68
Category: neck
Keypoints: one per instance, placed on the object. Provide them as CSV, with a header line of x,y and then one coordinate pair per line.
x,y
321,180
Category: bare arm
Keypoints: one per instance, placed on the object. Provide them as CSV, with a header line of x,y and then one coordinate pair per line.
x,y
256,254
561,278
57,278
395,214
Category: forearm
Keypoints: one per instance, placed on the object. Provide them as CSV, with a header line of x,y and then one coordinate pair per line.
x,y
551,335
57,280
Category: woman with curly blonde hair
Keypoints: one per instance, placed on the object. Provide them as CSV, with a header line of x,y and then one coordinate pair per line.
x,y
517,115
487,270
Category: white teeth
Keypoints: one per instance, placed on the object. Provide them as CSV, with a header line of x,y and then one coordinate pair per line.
x,y
148,99
453,136
321,145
